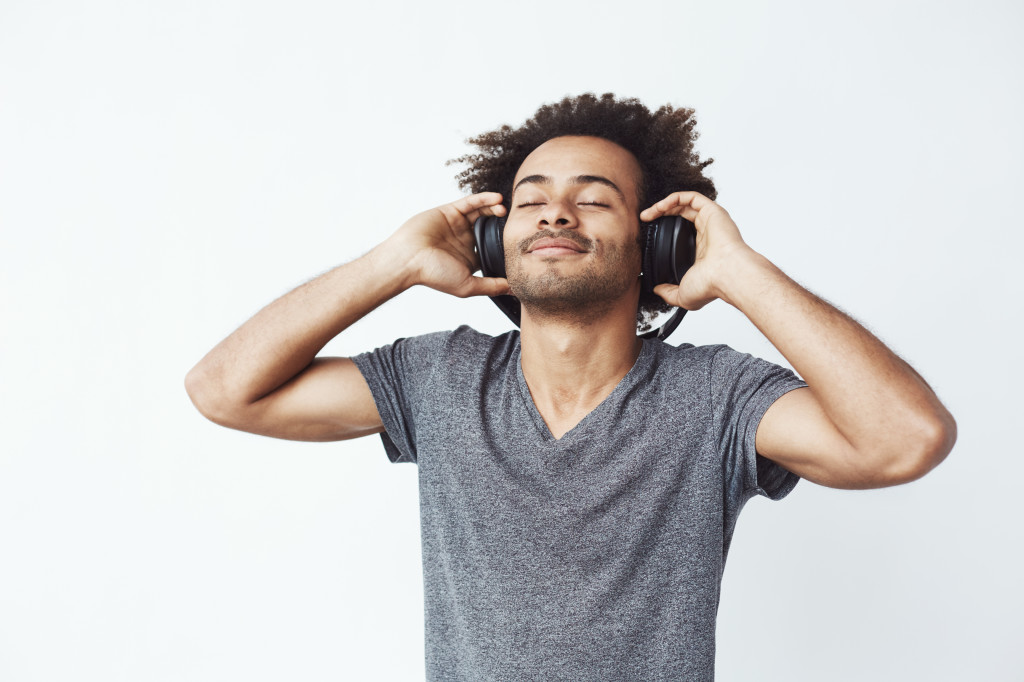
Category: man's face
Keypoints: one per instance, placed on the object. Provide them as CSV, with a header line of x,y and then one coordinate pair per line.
x,y
571,235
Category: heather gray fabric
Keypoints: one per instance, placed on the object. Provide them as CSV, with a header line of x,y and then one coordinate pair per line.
x,y
597,556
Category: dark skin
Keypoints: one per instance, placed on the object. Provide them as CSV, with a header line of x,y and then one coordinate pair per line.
x,y
866,420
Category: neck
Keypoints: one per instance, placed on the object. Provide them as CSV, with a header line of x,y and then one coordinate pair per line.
x,y
572,365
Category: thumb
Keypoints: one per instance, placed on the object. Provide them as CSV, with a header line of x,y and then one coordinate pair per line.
x,y
667,292
483,286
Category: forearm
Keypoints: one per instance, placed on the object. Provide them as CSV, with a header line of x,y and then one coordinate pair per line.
x,y
283,338
875,400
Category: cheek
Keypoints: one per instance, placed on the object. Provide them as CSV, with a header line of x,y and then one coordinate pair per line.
x,y
511,236
510,244
619,247
628,254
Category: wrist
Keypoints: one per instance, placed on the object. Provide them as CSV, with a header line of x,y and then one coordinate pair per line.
x,y
743,278
394,264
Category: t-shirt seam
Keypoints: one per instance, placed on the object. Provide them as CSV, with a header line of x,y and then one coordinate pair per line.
x,y
711,401
414,456
443,350
748,491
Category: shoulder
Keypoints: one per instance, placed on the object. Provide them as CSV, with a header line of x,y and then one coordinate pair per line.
x,y
461,346
716,368
469,339
463,338
467,351
717,357
686,356
466,342
422,359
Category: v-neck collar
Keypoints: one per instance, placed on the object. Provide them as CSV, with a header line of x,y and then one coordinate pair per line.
x,y
580,431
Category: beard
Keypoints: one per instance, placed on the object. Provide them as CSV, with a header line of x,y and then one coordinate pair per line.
x,y
584,293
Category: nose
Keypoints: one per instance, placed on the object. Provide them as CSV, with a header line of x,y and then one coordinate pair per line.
x,y
556,214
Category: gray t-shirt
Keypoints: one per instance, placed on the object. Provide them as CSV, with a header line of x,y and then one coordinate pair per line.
x,y
596,556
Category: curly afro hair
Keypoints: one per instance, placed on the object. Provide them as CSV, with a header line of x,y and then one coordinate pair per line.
x,y
662,142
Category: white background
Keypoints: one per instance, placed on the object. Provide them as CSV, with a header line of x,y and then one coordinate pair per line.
x,y
167,168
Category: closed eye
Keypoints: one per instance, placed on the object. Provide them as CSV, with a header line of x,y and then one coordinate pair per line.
x,y
582,203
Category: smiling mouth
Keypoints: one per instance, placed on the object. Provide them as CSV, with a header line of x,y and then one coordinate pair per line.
x,y
556,251
555,246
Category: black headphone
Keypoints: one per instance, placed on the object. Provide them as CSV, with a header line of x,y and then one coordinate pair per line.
x,y
670,247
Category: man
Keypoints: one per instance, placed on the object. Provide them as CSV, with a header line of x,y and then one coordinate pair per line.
x,y
579,486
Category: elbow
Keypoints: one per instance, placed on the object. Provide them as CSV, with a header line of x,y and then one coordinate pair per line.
x,y
937,439
194,383
204,392
198,390
930,444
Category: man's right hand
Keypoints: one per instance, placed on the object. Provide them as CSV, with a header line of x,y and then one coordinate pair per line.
x,y
437,247
266,377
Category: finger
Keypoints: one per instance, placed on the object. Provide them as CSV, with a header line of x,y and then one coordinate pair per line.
x,y
677,203
673,296
475,205
483,286
473,216
462,213
667,292
686,204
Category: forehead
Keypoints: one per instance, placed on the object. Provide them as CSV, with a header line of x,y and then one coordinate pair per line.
x,y
566,157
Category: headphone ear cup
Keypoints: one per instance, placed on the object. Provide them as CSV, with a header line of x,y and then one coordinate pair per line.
x,y
670,249
487,231
647,282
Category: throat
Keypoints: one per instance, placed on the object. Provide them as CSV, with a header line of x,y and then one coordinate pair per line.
x,y
566,401
569,372
561,419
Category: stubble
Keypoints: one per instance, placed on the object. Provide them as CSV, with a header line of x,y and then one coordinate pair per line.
x,y
563,290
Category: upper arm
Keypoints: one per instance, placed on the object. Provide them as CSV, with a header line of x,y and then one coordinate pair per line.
x,y
329,400
796,433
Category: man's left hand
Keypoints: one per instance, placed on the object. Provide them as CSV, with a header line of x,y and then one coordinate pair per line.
x,y
719,244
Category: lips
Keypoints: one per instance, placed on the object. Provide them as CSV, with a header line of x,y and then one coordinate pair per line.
x,y
555,244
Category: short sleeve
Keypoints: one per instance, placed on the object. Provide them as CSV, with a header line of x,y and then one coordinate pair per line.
x,y
743,387
399,377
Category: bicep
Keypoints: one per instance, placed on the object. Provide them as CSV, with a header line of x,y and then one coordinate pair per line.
x,y
796,433
329,400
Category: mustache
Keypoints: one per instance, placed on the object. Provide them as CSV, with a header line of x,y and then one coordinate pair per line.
x,y
571,235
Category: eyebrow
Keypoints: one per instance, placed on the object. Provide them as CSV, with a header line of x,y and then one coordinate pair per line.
x,y
575,180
